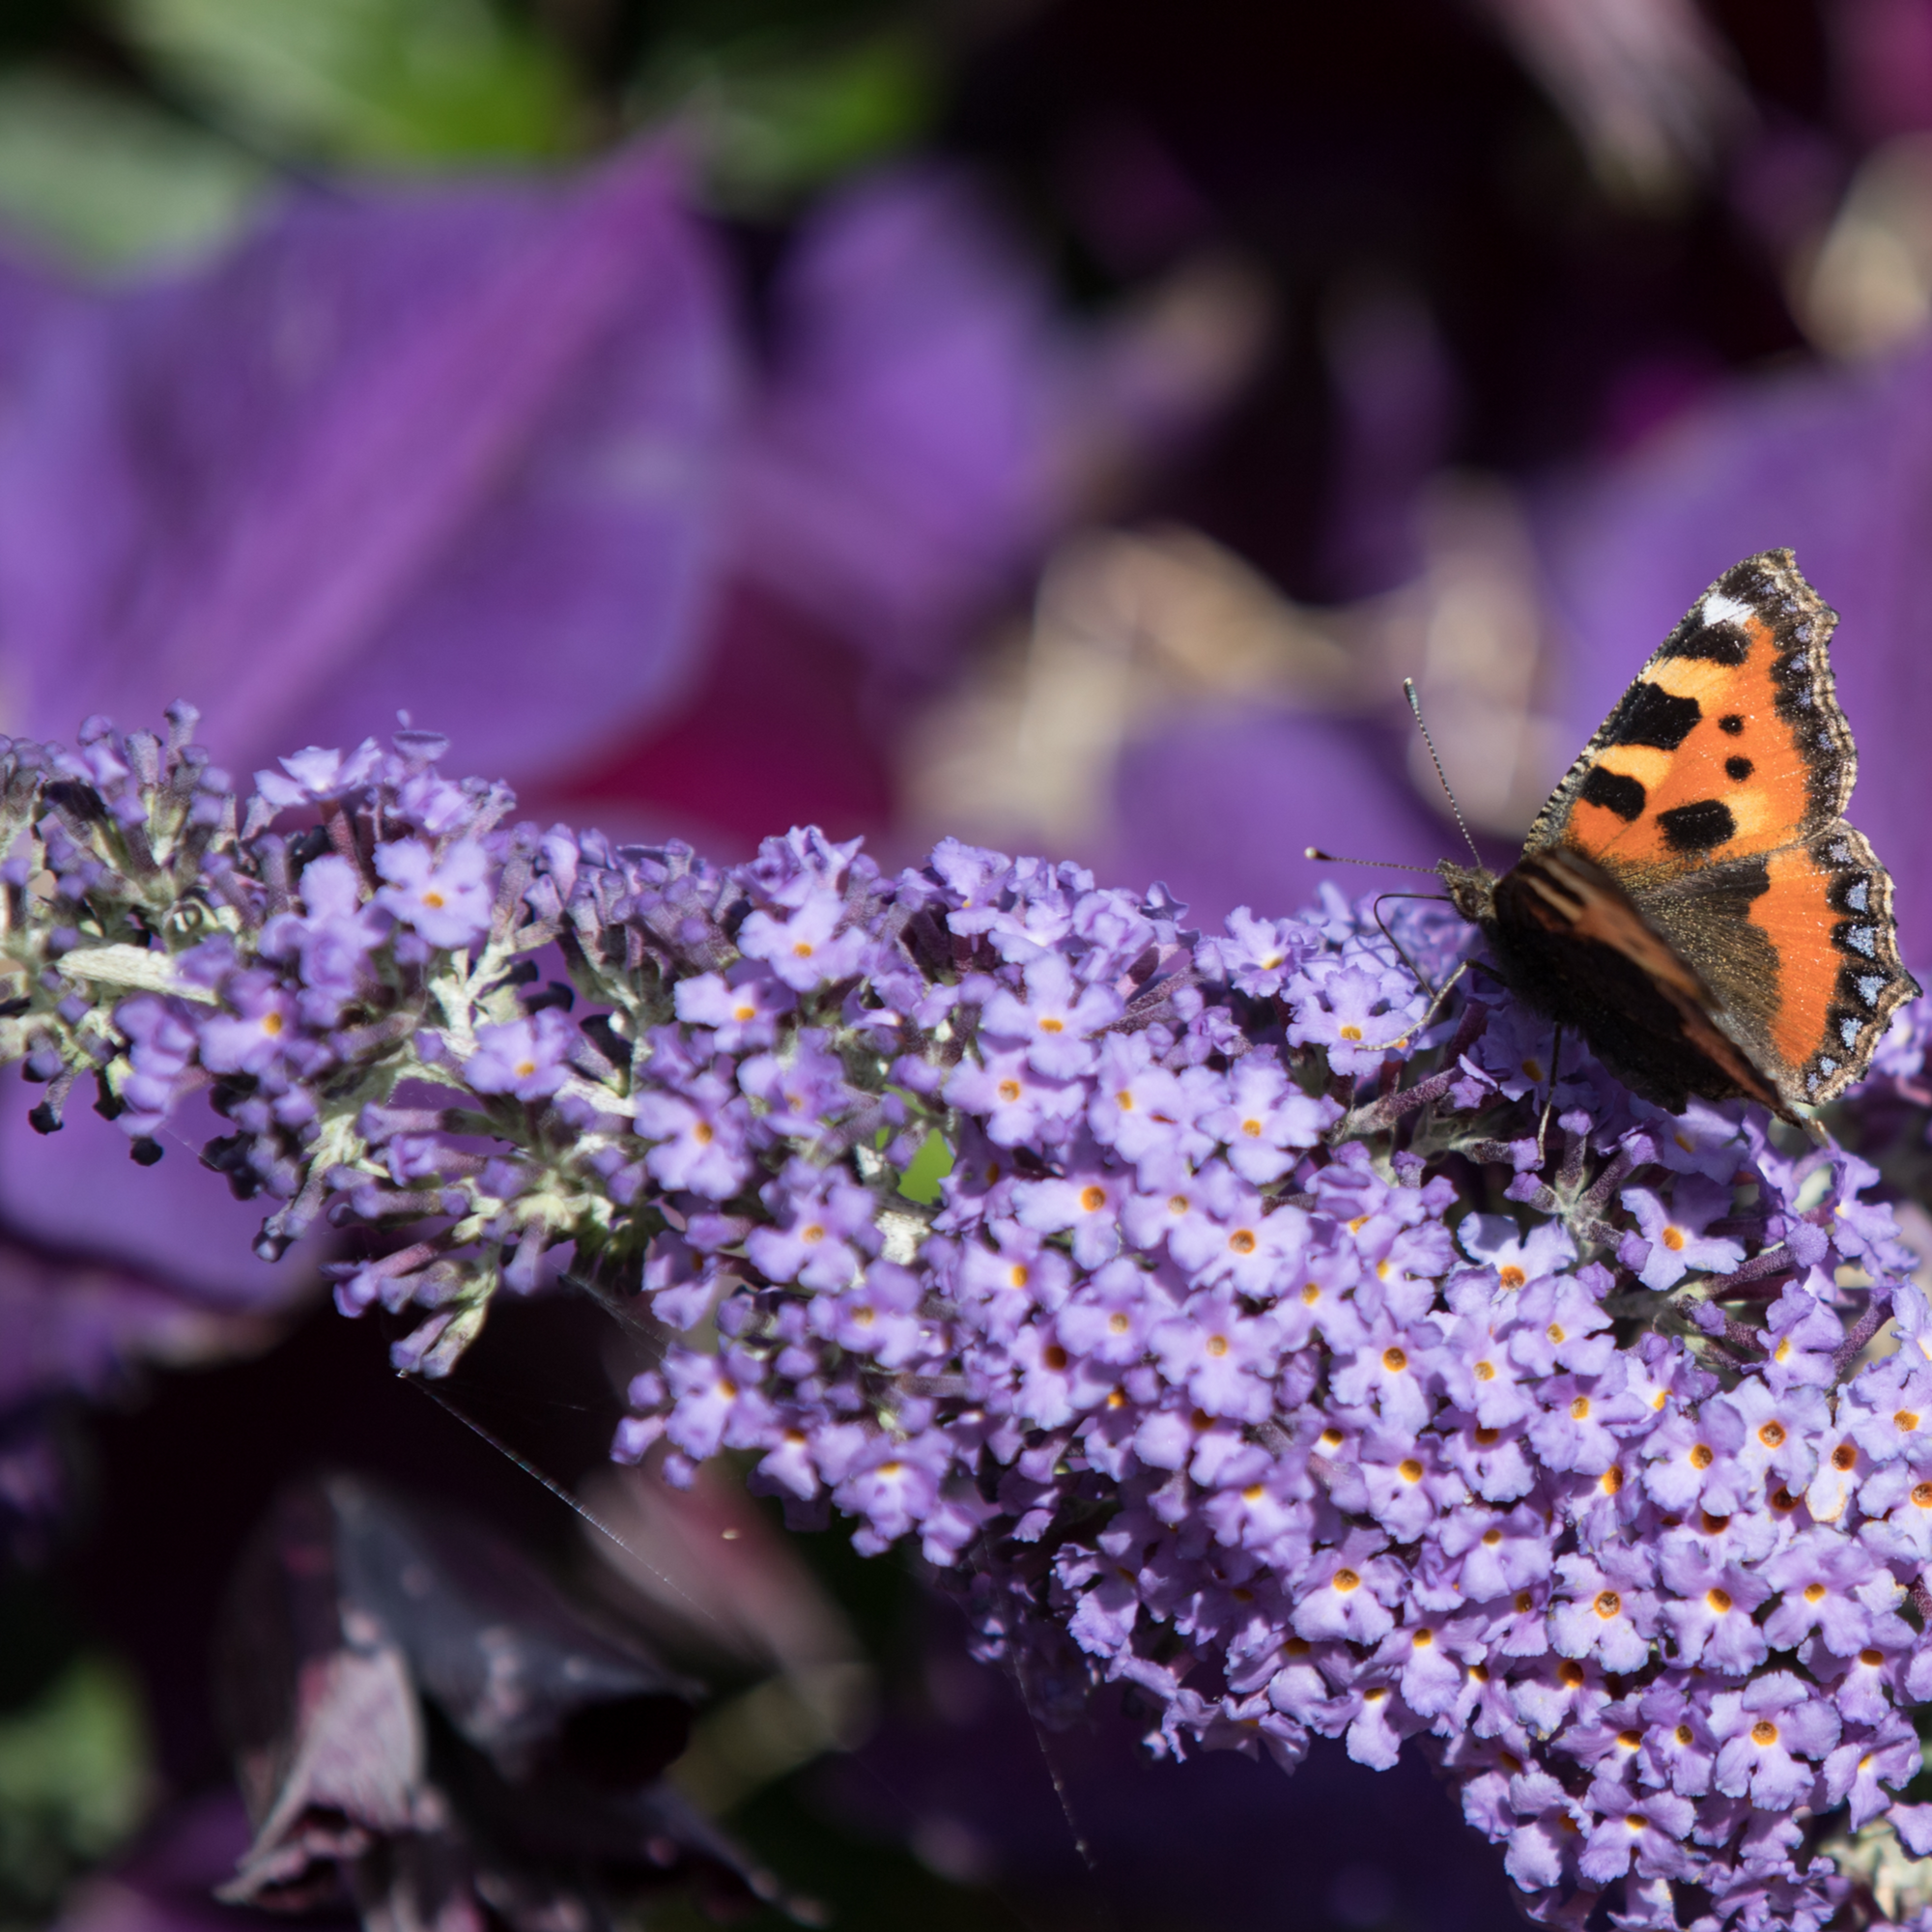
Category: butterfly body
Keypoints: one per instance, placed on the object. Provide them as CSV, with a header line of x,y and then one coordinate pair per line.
x,y
1691,899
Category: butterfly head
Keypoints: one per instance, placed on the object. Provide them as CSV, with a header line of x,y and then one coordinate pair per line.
x,y
1473,890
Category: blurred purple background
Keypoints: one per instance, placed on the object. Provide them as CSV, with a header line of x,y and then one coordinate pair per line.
x,y
1058,425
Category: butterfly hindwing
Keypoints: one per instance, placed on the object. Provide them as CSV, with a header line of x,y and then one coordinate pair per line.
x,y
1729,742
1828,912
1573,944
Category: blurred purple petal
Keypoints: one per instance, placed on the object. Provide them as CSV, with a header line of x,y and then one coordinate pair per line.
x,y
1221,804
394,451
66,1328
29,302
177,1222
1838,467
1396,405
903,467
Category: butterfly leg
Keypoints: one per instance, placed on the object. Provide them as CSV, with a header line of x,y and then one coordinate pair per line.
x,y
1435,1006
1550,1098
1401,953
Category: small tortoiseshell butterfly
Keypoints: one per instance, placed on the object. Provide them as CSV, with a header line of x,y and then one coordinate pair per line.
x,y
1691,899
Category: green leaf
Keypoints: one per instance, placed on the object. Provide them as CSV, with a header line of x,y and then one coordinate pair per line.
x,y
75,1781
781,117
392,83
107,182
928,1168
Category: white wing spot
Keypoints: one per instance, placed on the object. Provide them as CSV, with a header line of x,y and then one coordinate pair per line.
x,y
1859,896
1722,610
1864,939
1870,986
1848,1032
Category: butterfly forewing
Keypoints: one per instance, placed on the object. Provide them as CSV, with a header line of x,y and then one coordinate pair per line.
x,y
1729,742
1726,932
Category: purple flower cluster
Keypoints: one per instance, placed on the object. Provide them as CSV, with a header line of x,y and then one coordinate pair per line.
x,y
1306,1398
1225,1322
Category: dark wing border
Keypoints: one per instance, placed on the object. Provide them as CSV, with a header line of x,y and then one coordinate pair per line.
x,y
1709,909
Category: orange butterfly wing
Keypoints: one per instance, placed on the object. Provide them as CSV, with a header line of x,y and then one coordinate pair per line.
x,y
1730,741
1710,802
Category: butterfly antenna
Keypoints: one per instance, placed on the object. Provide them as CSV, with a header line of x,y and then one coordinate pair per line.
x,y
1408,690
1387,865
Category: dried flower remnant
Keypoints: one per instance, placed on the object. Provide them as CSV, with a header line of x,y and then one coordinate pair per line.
x,y
1253,1351
422,1725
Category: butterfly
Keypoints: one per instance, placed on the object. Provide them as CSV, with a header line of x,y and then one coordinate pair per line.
x,y
1691,899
